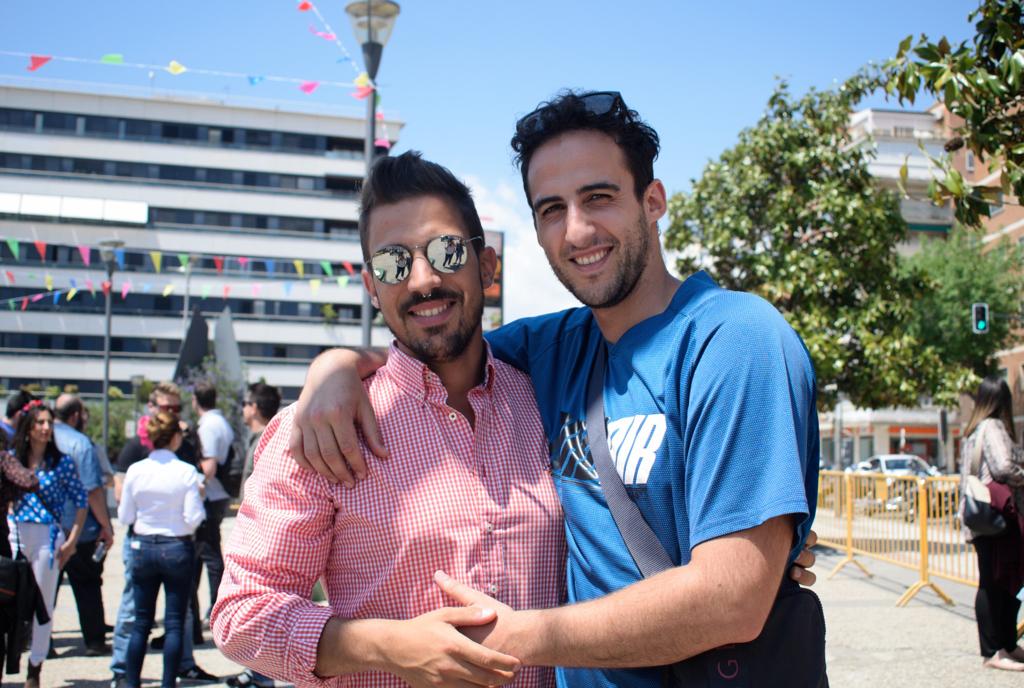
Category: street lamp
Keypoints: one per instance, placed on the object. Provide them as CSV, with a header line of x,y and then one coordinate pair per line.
x,y
108,253
372,22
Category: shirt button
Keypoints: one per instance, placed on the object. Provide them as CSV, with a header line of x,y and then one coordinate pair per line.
x,y
489,527
492,588
452,415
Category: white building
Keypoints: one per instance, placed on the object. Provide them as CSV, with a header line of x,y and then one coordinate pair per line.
x,y
240,191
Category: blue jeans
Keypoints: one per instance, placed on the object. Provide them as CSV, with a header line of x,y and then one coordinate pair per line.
x,y
160,560
126,622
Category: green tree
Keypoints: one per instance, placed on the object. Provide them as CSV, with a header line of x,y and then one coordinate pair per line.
x,y
962,274
981,81
791,213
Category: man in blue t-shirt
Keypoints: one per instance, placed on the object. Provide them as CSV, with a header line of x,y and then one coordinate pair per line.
x,y
710,403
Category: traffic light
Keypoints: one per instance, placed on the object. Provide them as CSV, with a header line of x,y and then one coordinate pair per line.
x,y
979,318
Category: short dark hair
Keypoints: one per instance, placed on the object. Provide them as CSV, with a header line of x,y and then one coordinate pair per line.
x,y
17,401
266,397
567,112
393,180
205,393
68,407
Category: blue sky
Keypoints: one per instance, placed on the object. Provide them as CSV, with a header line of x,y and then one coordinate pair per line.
x,y
459,72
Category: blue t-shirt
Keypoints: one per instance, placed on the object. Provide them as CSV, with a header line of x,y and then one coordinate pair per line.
x,y
80,448
711,423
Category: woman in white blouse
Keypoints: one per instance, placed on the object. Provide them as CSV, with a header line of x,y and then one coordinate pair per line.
x,y
162,502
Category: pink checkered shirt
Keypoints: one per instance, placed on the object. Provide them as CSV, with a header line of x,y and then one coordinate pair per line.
x,y
479,505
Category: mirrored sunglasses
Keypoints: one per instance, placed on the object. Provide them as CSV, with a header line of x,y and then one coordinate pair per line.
x,y
596,103
445,253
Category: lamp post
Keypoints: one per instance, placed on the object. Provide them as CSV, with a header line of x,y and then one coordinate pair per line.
x,y
108,255
372,22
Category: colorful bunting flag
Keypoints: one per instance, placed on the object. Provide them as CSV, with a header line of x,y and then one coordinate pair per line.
x,y
56,297
305,6
362,92
380,116
348,267
86,254
300,267
91,287
183,259
314,286
15,247
308,87
205,291
287,288
119,257
112,58
253,80
24,303
256,289
362,81
176,68
270,265
243,261
37,61
37,297
125,288
225,291
167,290
147,287
72,293
322,34
48,280
106,287
218,262
382,143
10,276
158,260
343,281
328,270
41,249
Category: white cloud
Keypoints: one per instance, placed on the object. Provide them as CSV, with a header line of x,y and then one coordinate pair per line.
x,y
531,288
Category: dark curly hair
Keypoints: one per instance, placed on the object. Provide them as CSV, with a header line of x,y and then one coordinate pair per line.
x,y
571,111
22,443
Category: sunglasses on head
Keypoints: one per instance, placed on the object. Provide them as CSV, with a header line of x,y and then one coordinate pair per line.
x,y
446,253
597,103
169,408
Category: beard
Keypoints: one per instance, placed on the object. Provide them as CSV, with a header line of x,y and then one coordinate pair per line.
x,y
632,261
439,345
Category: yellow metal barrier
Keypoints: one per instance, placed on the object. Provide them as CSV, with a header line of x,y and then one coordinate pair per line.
x,y
903,520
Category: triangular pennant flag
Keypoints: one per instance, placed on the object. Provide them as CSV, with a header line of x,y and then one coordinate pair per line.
x,y
362,92
91,287
308,87
119,257
112,58
300,267
106,287
74,284
10,276
167,290
379,115
49,282
146,287
56,297
10,304
243,261
71,293
328,270
125,288
183,259
256,288
15,247
343,281
363,80
376,100
226,290
86,254
176,68
205,291
287,288
322,34
37,297
348,267
218,262
253,80
305,6
271,265
382,143
314,286
37,61
24,303
32,275
41,249
157,258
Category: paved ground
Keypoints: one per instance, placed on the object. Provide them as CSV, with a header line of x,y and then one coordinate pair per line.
x,y
870,641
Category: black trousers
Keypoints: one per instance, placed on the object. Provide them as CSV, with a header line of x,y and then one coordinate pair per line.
x,y
86,578
208,549
995,607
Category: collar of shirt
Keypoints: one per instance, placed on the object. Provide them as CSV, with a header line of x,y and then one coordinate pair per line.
x,y
415,378
163,455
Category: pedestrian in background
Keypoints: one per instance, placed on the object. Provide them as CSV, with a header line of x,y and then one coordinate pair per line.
x,y
36,518
160,499
84,570
999,460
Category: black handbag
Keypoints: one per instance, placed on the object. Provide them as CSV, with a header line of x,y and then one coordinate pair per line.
x,y
789,652
978,514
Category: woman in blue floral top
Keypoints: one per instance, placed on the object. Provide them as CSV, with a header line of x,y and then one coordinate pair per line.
x,y
35,519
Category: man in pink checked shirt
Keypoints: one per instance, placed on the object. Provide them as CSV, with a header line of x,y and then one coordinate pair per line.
x,y
466,488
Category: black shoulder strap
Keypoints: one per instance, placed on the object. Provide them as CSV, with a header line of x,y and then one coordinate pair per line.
x,y
643,544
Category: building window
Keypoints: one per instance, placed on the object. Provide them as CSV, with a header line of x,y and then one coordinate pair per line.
x,y
969,164
996,206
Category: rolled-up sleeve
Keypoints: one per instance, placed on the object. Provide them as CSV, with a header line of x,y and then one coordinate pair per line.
x,y
279,547
193,510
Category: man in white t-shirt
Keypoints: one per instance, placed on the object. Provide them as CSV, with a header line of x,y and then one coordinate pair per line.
x,y
215,438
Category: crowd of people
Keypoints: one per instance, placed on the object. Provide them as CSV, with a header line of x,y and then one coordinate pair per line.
x,y
167,483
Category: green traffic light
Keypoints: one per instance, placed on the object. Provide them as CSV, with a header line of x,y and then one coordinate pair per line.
x,y
982,325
